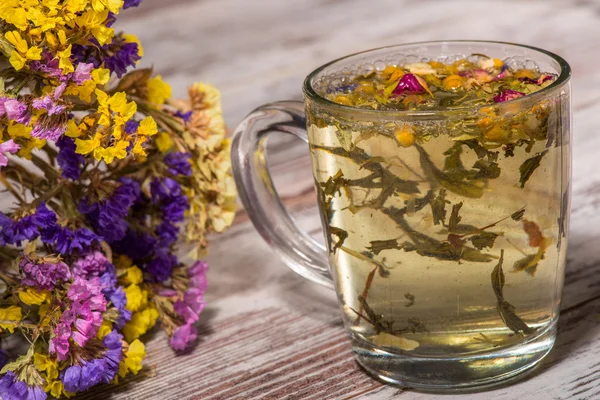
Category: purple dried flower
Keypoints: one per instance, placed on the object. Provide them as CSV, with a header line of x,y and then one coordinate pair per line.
x,y
543,78
17,111
507,95
48,104
83,73
7,147
49,127
185,116
131,3
409,84
179,163
197,275
117,56
70,162
13,389
131,126
91,264
107,216
43,275
162,265
183,337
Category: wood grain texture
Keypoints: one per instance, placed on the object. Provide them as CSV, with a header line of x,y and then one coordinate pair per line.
x,y
268,334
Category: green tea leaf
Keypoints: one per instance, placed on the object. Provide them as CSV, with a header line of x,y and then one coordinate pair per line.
x,y
484,239
377,246
454,217
529,166
528,264
334,184
505,309
487,170
518,215
345,139
454,181
341,234
411,299
438,208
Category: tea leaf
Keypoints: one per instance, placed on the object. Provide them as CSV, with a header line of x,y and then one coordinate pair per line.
x,y
334,184
481,151
528,264
453,182
505,309
484,239
341,234
454,217
488,170
438,208
377,246
518,215
529,166
345,139
411,299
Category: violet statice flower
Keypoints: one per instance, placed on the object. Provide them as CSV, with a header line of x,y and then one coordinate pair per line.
x,y
167,194
43,275
507,95
48,65
162,265
49,127
107,216
131,126
183,336
7,147
91,264
15,231
70,162
179,163
17,111
48,104
81,377
12,388
113,342
82,73
185,116
136,245
64,239
116,56
131,3
191,306
87,374
197,275
81,321
115,295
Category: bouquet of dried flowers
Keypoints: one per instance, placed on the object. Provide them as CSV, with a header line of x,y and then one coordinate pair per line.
x,y
105,181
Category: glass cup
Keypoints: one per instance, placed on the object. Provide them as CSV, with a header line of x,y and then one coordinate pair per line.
x,y
447,249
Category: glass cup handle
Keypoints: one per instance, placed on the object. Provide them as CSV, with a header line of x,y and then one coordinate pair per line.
x,y
298,250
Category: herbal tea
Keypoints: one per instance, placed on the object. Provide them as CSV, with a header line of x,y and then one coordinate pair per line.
x,y
446,237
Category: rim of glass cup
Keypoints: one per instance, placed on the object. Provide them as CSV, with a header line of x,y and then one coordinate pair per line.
x,y
373,114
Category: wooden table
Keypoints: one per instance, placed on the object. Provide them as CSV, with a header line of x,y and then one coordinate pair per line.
x,y
267,333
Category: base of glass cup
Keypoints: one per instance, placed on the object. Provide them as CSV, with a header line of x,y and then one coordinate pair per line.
x,y
455,374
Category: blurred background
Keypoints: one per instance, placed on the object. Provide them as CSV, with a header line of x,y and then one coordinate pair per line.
x,y
260,50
